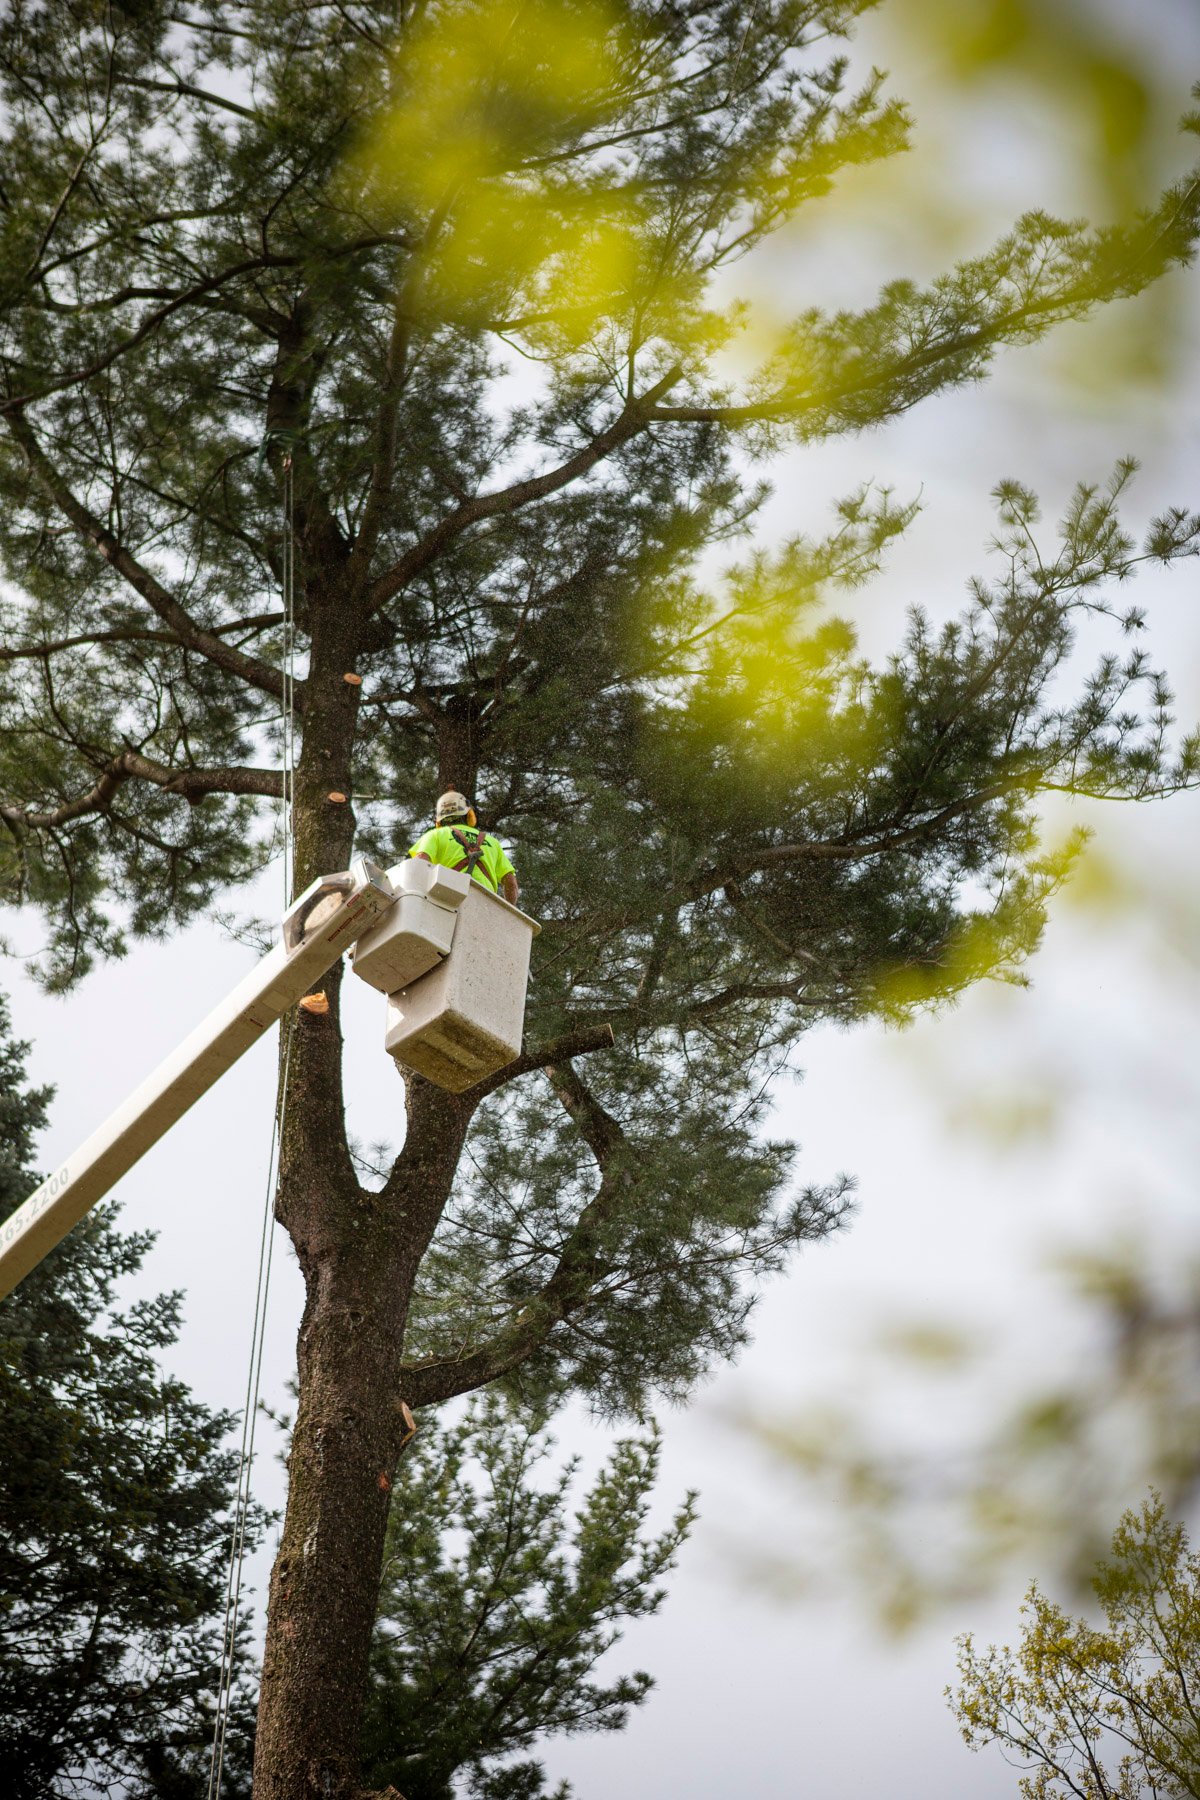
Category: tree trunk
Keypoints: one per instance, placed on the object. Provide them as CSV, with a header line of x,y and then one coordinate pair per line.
x,y
359,1253
325,1582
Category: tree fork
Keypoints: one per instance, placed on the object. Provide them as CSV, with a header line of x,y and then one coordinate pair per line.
x,y
359,1253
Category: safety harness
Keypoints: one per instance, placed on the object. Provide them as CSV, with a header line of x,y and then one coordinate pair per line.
x,y
473,852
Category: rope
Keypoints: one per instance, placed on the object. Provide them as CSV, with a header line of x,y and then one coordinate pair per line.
x,y
242,1499
242,1502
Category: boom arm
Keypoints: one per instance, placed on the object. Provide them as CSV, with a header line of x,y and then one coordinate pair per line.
x,y
330,916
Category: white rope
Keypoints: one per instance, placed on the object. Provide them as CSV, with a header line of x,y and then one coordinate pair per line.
x,y
242,1502
242,1499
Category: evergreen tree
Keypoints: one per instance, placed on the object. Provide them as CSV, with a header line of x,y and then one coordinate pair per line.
x,y
114,1528
261,259
495,1607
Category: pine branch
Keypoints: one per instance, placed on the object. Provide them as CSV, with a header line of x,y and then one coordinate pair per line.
x,y
879,843
580,1042
78,377
195,783
1093,272
575,1275
204,95
633,418
740,991
191,784
180,215
133,635
249,669
396,369
850,849
203,293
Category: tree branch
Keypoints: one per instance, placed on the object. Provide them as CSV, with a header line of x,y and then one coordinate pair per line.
x,y
192,92
195,783
634,417
575,1274
254,622
191,784
583,1041
396,370
1035,316
851,850
188,296
249,669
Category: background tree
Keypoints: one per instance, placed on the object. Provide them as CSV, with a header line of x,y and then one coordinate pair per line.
x,y
495,1606
115,1491
1103,1712
258,259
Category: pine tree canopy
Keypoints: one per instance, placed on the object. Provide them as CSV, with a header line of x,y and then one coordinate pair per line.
x,y
442,300
239,235
114,1493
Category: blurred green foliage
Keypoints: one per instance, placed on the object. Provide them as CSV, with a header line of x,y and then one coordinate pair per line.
x,y
1099,81
912,1523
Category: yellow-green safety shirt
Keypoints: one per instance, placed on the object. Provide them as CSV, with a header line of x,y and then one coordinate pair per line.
x,y
441,846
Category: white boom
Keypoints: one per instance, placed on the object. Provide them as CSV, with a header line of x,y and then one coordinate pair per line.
x,y
330,916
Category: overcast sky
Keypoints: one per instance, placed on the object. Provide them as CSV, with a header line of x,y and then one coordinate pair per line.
x,y
758,1694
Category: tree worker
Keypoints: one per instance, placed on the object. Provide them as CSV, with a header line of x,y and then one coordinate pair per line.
x,y
457,843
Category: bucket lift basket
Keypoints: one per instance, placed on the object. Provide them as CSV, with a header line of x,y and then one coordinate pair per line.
x,y
453,959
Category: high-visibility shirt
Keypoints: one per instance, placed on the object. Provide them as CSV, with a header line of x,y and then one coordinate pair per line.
x,y
450,845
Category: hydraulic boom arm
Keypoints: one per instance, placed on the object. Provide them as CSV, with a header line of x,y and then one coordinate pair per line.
x,y
330,916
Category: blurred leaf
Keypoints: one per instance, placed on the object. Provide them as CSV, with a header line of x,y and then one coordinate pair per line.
x,y
913,1523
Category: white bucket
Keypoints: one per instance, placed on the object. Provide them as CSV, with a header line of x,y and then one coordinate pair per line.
x,y
465,1018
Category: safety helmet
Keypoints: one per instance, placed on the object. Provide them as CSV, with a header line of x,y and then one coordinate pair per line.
x,y
452,805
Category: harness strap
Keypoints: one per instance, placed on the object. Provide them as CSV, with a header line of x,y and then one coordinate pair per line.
x,y
473,852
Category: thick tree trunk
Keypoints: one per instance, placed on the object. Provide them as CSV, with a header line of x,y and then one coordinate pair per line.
x,y
360,1253
325,1582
